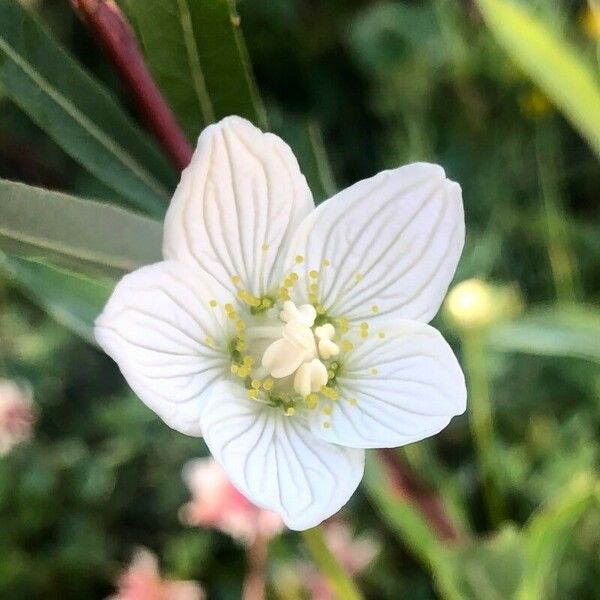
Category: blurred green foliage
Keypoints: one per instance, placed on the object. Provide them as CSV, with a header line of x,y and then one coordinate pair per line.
x,y
379,84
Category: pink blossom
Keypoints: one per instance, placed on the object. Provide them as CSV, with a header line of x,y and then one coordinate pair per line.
x,y
354,554
16,415
142,581
217,503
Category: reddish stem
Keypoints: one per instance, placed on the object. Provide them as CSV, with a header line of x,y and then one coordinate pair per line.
x,y
255,580
428,503
115,34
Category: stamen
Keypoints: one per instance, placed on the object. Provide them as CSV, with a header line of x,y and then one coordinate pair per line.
x,y
264,247
213,303
299,259
326,262
374,309
374,371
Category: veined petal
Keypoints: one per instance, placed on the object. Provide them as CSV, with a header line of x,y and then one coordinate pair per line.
x,y
237,204
385,248
275,460
169,342
396,390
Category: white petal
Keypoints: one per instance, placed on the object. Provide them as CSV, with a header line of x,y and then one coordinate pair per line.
x,y
275,460
396,390
393,242
169,343
237,204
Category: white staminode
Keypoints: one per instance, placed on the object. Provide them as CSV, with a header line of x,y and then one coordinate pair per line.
x,y
292,337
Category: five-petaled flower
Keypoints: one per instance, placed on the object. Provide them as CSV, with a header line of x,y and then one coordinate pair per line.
x,y
292,337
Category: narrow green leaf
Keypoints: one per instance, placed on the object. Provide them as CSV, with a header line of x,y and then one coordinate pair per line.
x,y
548,533
564,331
199,59
405,520
78,113
306,142
72,299
73,232
557,68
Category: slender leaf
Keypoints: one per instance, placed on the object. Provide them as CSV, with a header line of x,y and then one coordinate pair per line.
x,y
78,233
72,299
547,534
199,59
565,331
557,68
77,112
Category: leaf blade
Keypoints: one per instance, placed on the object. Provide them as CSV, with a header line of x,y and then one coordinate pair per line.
x,y
47,84
74,232
551,63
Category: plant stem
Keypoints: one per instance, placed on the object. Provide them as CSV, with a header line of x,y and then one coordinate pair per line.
x,y
427,502
255,581
115,34
481,423
560,253
340,581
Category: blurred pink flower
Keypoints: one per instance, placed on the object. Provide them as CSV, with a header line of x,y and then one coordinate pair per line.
x,y
142,581
354,554
16,415
217,503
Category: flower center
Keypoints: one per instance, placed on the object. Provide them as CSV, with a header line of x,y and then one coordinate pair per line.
x,y
301,350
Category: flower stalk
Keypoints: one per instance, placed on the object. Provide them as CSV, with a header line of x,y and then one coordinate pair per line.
x,y
108,24
342,584
481,422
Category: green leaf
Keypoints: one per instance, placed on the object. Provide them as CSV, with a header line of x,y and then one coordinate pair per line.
x,y
563,331
198,57
557,68
72,299
306,142
406,521
548,532
78,233
78,113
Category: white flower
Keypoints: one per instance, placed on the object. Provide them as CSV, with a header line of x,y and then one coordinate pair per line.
x,y
292,338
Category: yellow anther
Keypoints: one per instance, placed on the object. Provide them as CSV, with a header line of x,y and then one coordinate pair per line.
x,y
267,302
312,400
364,325
344,325
288,282
299,259
314,287
364,333
313,274
209,341
334,366
374,371
213,303
235,279
255,384
293,276
243,372
320,309
347,346
248,360
353,401
359,277
328,410
312,298
229,307
330,373
374,309
234,368
240,325
381,334
232,315
252,393
326,424
241,346
325,262
329,392
268,384
289,412
264,247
